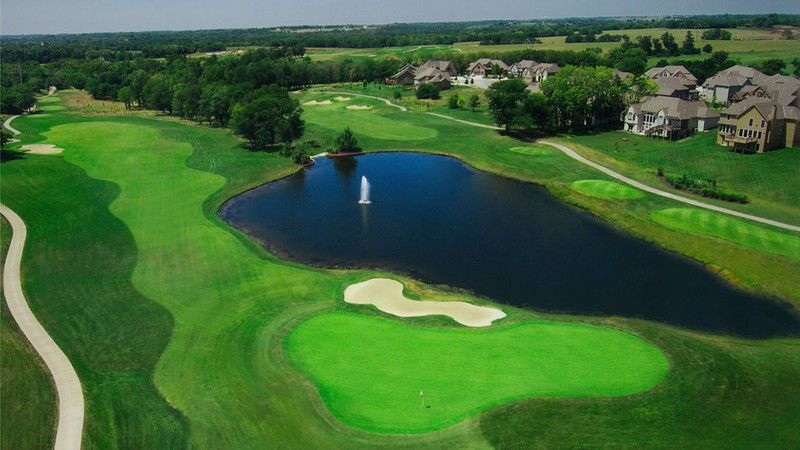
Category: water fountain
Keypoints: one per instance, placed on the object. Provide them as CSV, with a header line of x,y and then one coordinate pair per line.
x,y
364,199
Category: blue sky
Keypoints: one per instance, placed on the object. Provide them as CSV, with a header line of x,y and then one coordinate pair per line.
x,y
79,16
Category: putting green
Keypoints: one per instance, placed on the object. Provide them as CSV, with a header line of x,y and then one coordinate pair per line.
x,y
532,151
740,232
372,123
370,370
606,189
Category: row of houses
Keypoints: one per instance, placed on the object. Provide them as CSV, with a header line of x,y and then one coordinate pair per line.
x,y
440,72
763,111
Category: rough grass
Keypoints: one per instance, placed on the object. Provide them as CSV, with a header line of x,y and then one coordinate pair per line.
x,y
370,370
738,231
27,394
606,189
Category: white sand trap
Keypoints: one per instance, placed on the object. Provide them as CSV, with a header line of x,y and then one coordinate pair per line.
x,y
314,103
42,149
342,99
360,107
387,295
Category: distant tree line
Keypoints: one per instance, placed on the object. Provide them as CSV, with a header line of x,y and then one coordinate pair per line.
x,y
165,44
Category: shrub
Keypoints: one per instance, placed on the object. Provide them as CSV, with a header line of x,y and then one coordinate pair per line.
x,y
428,91
345,142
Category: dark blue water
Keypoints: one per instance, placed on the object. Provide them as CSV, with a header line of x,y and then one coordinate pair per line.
x,y
437,220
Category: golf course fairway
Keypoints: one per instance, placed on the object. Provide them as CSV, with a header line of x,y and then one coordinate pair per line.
x,y
370,370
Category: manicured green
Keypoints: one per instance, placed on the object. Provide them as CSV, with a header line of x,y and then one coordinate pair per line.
x,y
370,370
372,123
52,108
48,100
27,394
606,189
538,150
177,324
744,233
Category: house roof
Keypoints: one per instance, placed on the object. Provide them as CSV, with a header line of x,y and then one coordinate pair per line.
x,y
726,80
445,66
620,74
679,72
525,64
670,87
676,108
768,108
547,67
408,68
486,61
431,74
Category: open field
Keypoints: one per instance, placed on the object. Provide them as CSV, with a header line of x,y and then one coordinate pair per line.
x,y
189,319
421,52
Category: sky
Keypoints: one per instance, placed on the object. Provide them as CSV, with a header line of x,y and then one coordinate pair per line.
x,y
86,16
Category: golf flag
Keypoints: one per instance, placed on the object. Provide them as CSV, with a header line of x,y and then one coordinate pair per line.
x,y
421,394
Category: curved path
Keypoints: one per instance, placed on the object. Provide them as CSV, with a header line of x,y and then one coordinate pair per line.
x,y
474,124
68,386
574,155
14,131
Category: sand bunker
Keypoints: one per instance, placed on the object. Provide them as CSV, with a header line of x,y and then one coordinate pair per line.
x,y
42,149
314,103
342,99
359,107
387,295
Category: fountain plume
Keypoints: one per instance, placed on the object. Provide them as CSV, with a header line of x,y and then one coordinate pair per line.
x,y
364,198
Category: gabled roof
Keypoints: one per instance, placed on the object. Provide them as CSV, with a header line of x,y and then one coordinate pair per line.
x,y
408,68
486,61
546,67
431,74
445,66
726,80
679,72
620,74
669,87
768,108
676,108
524,64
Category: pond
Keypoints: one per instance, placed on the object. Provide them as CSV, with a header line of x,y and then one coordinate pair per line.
x,y
440,221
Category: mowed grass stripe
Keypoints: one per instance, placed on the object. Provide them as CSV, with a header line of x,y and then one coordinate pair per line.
x,y
606,189
370,370
743,233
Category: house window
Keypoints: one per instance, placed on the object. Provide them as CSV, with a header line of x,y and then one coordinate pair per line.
x,y
763,122
750,122
759,135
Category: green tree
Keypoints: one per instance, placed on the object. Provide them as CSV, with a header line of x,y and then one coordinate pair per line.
x,y
474,101
271,117
507,103
688,47
345,142
787,34
5,136
537,107
125,95
772,66
670,46
582,96
455,101
428,91
157,93
708,48
16,99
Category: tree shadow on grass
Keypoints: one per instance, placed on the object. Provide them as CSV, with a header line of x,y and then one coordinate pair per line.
x,y
10,155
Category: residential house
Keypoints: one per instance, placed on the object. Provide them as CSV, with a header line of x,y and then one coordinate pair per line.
x,y
672,87
486,66
404,76
669,117
722,86
540,72
758,124
432,75
678,73
443,66
518,69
